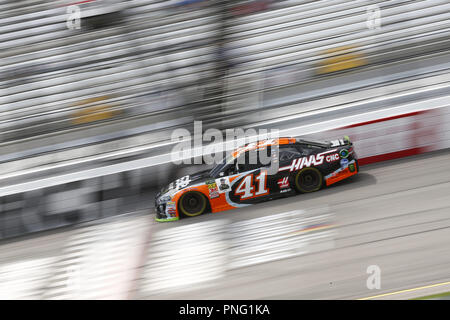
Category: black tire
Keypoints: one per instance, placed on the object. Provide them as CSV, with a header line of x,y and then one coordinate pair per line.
x,y
192,203
308,180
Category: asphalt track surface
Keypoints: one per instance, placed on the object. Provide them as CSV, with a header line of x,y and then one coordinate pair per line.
x,y
394,215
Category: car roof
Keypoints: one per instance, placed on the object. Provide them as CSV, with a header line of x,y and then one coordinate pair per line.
x,y
261,144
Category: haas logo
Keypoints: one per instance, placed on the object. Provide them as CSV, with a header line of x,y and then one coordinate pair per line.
x,y
283,183
316,160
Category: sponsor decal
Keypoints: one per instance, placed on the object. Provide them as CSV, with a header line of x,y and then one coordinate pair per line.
x,y
284,183
285,190
337,143
182,182
223,184
171,209
316,160
212,188
344,153
332,157
170,214
214,194
344,162
351,167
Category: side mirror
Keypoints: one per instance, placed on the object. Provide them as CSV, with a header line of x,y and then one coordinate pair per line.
x,y
221,174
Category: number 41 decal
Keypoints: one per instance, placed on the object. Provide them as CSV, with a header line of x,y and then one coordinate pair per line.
x,y
246,188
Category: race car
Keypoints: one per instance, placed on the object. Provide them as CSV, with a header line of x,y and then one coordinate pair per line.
x,y
293,166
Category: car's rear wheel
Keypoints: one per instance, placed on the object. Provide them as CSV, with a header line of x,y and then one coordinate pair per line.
x,y
192,204
308,180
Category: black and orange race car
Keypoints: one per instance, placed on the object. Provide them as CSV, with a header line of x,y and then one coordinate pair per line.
x,y
297,166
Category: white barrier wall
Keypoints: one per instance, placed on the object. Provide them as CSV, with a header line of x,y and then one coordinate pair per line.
x,y
398,136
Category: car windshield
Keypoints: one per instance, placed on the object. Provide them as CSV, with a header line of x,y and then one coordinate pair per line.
x,y
218,168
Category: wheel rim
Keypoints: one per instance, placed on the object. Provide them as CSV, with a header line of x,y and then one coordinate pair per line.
x,y
309,180
192,204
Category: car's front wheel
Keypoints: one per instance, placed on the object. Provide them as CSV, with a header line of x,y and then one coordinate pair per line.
x,y
308,180
192,204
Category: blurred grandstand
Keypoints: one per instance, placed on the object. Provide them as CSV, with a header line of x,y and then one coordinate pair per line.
x,y
215,59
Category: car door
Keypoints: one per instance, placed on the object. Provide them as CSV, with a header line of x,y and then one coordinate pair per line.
x,y
251,184
285,178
